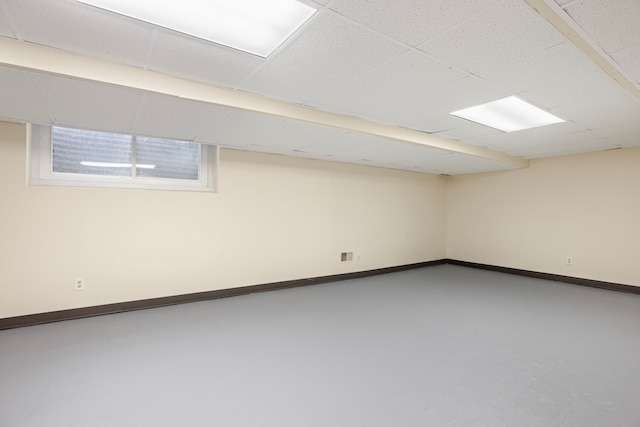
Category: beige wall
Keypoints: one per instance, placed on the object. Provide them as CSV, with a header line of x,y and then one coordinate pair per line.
x,y
275,218
278,218
586,207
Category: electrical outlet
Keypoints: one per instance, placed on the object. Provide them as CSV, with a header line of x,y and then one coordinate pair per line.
x,y
79,284
569,260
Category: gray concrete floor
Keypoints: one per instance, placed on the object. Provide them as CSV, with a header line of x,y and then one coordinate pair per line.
x,y
440,346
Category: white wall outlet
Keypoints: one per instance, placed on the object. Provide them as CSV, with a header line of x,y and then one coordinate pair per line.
x,y
569,260
79,284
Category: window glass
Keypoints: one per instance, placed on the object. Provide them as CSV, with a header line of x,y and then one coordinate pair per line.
x,y
163,158
89,152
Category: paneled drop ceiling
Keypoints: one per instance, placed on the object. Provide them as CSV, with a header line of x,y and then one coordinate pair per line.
x,y
364,81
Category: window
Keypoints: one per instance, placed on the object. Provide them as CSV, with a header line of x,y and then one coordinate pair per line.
x,y
75,157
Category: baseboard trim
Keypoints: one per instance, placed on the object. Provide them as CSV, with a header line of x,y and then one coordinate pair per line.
x,y
548,276
99,310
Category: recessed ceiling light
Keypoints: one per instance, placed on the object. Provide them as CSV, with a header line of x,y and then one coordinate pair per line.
x,y
508,115
254,26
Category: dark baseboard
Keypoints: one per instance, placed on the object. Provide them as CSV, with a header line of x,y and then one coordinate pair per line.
x,y
99,310
548,276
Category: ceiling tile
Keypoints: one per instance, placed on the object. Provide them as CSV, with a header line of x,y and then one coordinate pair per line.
x,y
399,153
87,105
243,129
329,52
540,68
260,149
429,110
394,82
612,25
467,131
570,144
20,100
198,60
424,110
564,139
499,35
617,136
268,133
373,151
5,27
629,60
300,136
260,132
455,164
405,20
170,117
346,144
591,101
304,155
79,28
538,141
380,152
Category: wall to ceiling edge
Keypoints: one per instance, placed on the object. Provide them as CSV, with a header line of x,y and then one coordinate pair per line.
x,y
586,207
275,218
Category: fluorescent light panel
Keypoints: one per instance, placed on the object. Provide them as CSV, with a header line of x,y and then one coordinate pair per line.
x,y
116,165
254,26
508,115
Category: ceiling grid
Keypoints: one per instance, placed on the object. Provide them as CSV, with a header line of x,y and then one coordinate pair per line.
x,y
364,81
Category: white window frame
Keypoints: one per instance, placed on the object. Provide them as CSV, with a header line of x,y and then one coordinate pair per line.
x,y
39,169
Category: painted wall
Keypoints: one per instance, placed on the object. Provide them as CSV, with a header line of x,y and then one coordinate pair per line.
x,y
275,218
586,207
278,218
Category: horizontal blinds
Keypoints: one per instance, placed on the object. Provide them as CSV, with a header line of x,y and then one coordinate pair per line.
x,y
102,153
82,151
170,159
